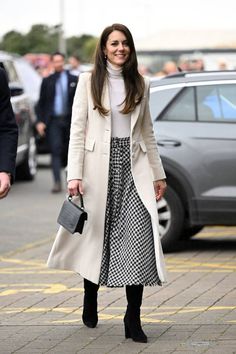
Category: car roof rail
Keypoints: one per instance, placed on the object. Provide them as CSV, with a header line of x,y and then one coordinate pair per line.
x,y
198,73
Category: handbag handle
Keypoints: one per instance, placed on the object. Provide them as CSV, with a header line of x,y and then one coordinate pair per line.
x,y
81,200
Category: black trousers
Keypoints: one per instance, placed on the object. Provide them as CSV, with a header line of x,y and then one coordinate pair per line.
x,y
58,134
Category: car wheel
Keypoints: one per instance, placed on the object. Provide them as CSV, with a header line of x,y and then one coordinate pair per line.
x,y
171,219
191,231
27,170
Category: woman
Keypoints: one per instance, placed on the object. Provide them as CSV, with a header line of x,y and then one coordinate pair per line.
x,y
113,161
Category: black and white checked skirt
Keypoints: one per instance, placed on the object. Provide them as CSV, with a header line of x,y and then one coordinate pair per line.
x,y
128,252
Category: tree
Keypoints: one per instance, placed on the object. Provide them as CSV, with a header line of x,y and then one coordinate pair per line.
x,y
89,49
14,42
44,39
81,47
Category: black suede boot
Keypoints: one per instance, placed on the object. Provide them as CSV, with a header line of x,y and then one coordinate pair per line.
x,y
90,315
133,329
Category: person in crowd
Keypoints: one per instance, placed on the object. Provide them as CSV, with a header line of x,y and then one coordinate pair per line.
x,y
144,70
114,163
168,68
75,65
54,114
222,64
183,64
8,137
197,64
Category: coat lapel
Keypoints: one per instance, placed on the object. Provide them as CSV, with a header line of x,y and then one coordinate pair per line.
x,y
107,118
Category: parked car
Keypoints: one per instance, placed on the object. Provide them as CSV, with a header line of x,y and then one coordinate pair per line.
x,y
194,116
24,83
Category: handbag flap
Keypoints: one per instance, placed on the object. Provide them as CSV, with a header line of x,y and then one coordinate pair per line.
x,y
72,217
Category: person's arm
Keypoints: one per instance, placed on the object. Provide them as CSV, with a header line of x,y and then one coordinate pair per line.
x,y
77,137
150,141
158,172
8,134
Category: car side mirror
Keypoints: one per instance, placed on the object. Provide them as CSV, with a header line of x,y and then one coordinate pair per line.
x,y
16,90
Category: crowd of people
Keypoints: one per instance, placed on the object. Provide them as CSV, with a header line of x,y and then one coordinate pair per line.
x,y
194,62
185,64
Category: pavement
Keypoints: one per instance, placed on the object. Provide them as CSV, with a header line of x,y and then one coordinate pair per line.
x,y
195,312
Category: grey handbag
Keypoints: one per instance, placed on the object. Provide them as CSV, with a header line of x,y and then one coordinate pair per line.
x,y
72,216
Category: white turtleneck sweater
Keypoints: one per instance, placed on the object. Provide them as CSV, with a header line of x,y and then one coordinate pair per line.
x,y
120,123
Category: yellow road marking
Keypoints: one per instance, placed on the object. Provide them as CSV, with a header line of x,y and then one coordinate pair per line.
x,y
146,318
217,234
111,317
45,288
168,310
52,289
185,264
27,271
199,271
173,264
22,261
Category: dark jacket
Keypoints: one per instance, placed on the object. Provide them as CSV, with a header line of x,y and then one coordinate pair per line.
x,y
45,104
8,129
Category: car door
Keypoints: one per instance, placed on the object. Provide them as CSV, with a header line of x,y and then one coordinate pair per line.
x,y
216,136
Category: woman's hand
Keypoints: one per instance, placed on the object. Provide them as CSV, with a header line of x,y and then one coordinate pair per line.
x,y
160,187
41,127
75,187
5,184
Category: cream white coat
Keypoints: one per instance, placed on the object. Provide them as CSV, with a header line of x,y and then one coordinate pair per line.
x,y
88,159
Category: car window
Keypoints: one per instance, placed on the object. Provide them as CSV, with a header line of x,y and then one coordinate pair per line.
x,y
160,99
182,108
216,103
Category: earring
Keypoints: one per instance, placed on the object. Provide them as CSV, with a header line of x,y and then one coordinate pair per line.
x,y
105,57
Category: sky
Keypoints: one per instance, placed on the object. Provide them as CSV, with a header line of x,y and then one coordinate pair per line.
x,y
143,17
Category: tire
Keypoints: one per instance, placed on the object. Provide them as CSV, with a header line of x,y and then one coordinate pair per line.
x,y
26,171
191,231
171,219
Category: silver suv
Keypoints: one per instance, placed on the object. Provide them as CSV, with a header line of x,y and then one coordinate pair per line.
x,y
194,117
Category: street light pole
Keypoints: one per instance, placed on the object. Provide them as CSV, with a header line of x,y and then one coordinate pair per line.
x,y
61,39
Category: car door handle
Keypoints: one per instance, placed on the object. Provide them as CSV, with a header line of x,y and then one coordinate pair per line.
x,y
168,143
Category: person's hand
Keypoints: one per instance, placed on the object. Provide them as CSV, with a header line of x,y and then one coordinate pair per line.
x,y
5,184
159,187
74,187
41,127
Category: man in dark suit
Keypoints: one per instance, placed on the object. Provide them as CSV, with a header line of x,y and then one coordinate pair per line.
x,y
54,114
8,137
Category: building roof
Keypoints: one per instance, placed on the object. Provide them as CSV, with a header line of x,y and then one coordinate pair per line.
x,y
188,39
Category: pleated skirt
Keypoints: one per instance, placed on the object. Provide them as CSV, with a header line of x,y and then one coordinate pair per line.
x,y
128,251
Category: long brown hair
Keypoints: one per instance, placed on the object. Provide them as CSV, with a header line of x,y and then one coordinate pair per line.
x,y
134,82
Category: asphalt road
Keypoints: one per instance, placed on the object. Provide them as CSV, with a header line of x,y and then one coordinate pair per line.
x,y
30,211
